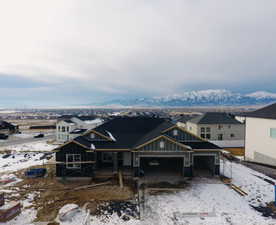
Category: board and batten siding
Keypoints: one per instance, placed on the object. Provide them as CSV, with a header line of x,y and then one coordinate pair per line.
x,y
86,169
181,135
155,146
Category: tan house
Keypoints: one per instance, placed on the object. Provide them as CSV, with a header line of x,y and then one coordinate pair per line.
x,y
260,138
216,126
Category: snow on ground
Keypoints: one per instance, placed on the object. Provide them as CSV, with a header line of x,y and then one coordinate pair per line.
x,y
203,195
32,146
259,191
18,161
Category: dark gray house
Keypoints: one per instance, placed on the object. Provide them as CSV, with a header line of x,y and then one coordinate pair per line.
x,y
141,145
8,128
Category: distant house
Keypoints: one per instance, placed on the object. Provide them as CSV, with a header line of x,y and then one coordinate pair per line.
x,y
140,145
181,120
69,127
260,138
8,128
216,126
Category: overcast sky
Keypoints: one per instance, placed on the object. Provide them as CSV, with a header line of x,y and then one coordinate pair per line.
x,y
69,52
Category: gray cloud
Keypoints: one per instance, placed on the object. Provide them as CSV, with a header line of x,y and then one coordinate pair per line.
x,y
101,48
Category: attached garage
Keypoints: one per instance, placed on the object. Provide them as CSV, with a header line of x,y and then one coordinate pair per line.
x,y
170,166
204,165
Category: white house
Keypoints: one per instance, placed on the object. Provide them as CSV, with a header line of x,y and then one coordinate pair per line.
x,y
260,135
69,128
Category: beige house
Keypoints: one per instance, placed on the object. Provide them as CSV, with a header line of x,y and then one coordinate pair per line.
x,y
216,126
260,138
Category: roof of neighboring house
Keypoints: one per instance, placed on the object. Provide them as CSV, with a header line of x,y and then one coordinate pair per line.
x,y
200,145
185,118
78,131
6,125
85,118
230,143
131,132
68,121
215,118
268,112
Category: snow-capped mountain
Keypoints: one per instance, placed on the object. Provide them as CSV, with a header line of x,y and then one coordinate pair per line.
x,y
201,98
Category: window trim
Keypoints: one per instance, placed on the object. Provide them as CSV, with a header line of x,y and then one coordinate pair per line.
x,y
271,133
72,165
175,132
162,144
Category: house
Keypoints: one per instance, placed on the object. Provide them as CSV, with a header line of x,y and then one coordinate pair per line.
x,y
141,145
182,119
69,127
8,128
216,126
260,135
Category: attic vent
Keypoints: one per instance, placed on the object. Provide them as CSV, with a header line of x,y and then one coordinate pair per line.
x,y
175,132
92,135
162,144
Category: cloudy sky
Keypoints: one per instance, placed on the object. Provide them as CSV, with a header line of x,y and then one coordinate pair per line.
x,y
69,52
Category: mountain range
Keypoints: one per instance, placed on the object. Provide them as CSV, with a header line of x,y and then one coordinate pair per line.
x,y
210,97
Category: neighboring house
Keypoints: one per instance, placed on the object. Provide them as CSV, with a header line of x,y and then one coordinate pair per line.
x,y
183,119
216,126
8,128
70,127
141,145
260,135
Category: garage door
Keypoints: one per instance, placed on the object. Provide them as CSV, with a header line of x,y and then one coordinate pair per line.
x,y
159,165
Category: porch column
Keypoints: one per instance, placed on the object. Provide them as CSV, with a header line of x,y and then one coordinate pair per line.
x,y
187,165
115,162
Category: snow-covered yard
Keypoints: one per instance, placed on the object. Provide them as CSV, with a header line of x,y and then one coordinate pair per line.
x,y
202,195
31,147
18,161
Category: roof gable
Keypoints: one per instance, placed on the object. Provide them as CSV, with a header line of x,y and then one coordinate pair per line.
x,y
153,145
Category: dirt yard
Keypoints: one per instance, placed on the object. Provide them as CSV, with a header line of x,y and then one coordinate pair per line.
x,y
49,194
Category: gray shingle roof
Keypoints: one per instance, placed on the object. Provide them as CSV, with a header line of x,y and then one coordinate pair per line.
x,y
215,118
268,112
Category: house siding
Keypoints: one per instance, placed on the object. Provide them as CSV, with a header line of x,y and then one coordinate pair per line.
x,y
86,170
259,146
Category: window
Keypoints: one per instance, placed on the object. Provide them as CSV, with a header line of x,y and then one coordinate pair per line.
x,y
205,132
175,132
220,137
220,127
232,135
58,128
229,126
67,129
273,133
63,129
70,159
92,135
162,144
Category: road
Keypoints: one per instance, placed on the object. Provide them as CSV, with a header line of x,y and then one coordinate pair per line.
x,y
25,140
